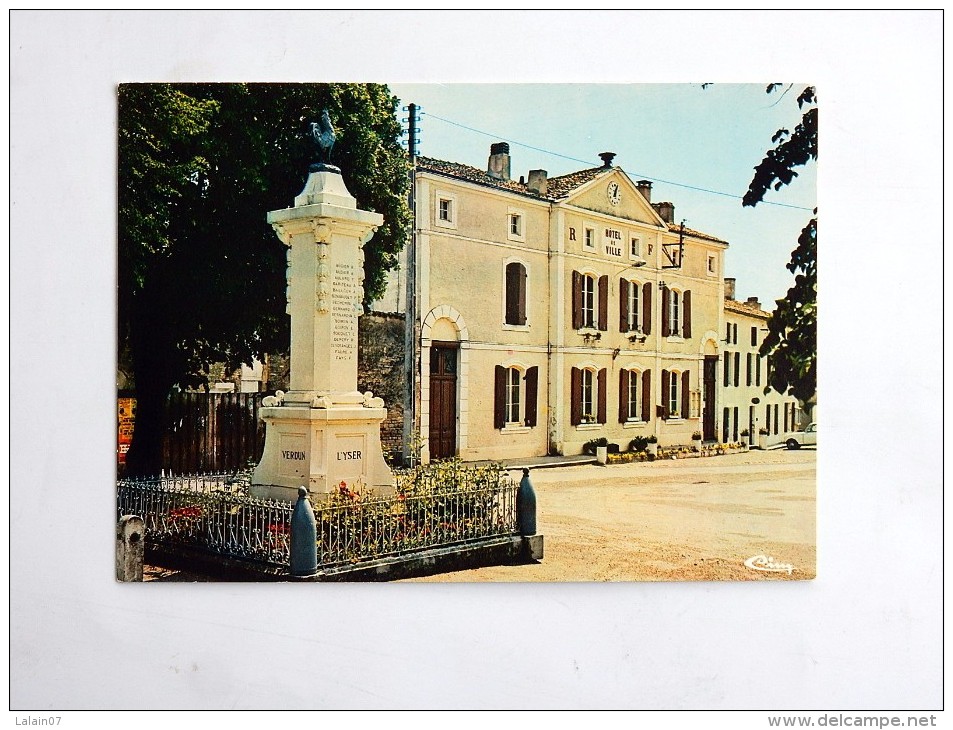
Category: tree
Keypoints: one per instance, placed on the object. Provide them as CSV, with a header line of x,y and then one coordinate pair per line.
x,y
791,342
201,274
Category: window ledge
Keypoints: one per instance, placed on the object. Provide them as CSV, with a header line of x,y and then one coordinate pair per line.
x,y
674,419
590,426
635,424
675,338
513,428
516,327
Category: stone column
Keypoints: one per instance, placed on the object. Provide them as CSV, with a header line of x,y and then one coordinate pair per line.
x,y
323,432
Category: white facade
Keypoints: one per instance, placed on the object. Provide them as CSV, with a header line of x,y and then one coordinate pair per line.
x,y
747,409
553,312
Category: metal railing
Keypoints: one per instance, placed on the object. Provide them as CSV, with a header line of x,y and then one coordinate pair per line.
x,y
211,512
428,510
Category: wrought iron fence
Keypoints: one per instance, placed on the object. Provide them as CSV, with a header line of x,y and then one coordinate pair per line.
x,y
430,508
211,512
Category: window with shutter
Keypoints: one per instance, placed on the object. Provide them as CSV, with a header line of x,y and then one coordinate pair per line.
x,y
748,369
646,308
686,394
588,301
575,401
727,369
513,404
499,398
687,315
672,395
674,317
737,369
601,416
634,404
646,395
624,387
725,424
577,319
604,303
586,400
635,322
515,294
665,394
624,305
666,306
532,395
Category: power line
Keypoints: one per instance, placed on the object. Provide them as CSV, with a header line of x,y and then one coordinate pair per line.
x,y
589,162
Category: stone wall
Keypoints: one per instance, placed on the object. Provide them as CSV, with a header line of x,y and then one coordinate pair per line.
x,y
380,369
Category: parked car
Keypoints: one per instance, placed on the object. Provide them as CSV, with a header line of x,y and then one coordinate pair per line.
x,y
797,439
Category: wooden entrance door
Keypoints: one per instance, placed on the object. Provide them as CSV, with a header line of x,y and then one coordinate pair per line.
x,y
443,401
708,415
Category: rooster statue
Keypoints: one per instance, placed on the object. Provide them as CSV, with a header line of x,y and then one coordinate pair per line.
x,y
323,134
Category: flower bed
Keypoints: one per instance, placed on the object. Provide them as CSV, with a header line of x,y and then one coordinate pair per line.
x,y
677,452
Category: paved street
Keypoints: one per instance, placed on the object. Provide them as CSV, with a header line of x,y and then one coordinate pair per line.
x,y
689,519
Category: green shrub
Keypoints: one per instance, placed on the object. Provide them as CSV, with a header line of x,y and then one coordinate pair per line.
x,y
590,446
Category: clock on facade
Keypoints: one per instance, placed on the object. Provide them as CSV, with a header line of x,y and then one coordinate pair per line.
x,y
614,193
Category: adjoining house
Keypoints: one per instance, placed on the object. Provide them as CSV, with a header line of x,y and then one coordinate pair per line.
x,y
747,410
547,312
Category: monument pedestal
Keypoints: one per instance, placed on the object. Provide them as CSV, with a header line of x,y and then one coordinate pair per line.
x,y
322,433
321,449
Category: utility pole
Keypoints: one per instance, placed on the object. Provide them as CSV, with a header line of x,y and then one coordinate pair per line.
x,y
411,325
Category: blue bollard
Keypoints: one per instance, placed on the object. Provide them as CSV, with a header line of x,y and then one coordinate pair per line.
x,y
304,537
526,506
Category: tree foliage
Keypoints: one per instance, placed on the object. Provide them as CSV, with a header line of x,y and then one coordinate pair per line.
x,y
791,342
201,274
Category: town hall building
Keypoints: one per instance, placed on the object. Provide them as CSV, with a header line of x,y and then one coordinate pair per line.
x,y
546,312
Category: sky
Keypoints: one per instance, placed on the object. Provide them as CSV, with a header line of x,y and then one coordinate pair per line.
x,y
682,137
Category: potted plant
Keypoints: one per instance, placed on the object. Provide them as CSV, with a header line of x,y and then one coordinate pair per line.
x,y
744,438
599,447
638,444
697,438
762,438
651,445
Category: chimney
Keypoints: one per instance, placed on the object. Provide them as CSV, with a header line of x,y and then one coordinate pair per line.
x,y
729,287
607,158
538,183
498,165
645,187
666,211
754,301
